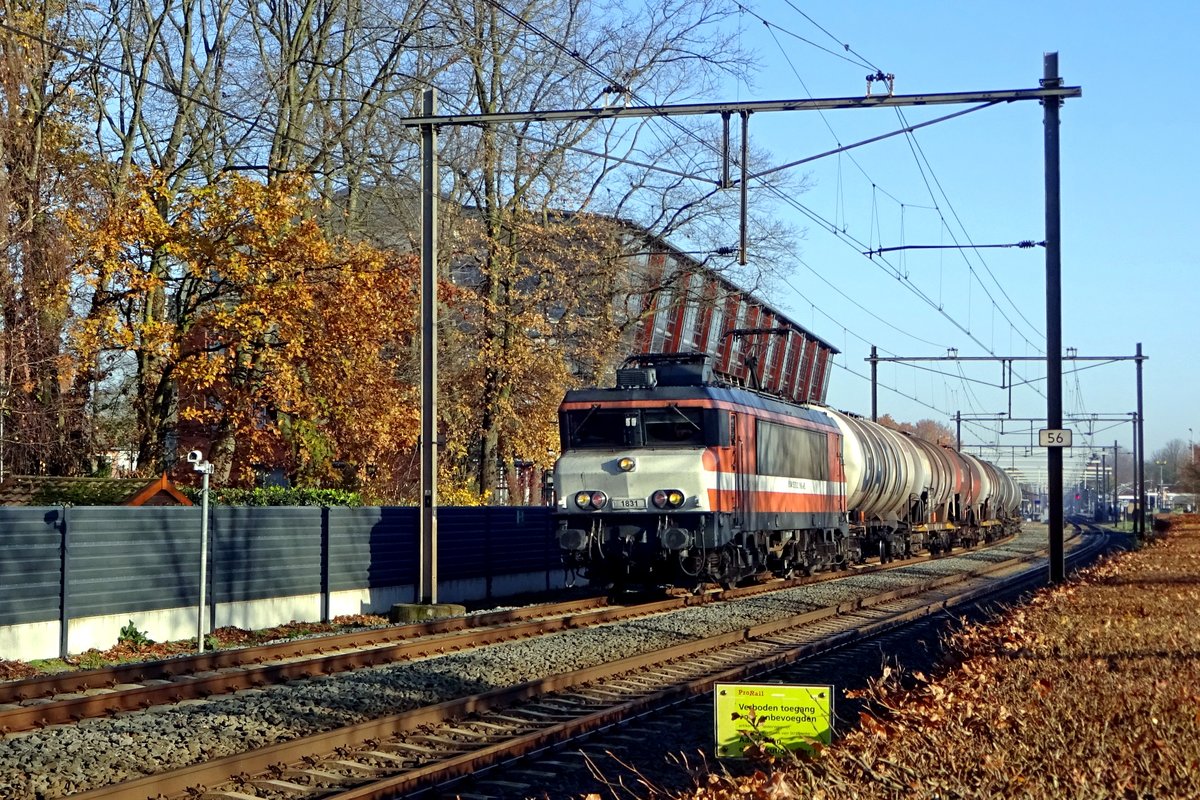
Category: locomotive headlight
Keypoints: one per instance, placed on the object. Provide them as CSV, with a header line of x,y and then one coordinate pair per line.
x,y
627,464
583,499
668,498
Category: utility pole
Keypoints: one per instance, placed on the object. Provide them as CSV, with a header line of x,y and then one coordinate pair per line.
x,y
1136,512
427,582
1161,494
1116,495
1054,456
1140,463
201,465
875,385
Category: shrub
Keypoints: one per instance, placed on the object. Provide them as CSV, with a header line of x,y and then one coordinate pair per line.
x,y
278,496
130,636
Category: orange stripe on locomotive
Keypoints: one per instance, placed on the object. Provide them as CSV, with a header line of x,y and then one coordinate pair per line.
x,y
777,502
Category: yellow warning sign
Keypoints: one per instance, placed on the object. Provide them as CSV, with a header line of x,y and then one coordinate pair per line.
x,y
771,717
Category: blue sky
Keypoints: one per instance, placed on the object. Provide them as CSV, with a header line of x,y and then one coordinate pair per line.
x,y
1129,177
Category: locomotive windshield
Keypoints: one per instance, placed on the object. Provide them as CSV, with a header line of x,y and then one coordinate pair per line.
x,y
673,426
667,426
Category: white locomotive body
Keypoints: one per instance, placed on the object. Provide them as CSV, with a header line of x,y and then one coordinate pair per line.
x,y
673,478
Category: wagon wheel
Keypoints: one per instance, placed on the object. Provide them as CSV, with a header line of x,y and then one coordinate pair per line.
x,y
842,559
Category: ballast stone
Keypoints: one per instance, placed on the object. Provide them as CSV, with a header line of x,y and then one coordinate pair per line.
x,y
419,612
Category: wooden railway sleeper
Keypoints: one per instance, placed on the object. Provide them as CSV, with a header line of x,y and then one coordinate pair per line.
x,y
442,742
550,715
412,755
565,703
676,669
353,767
600,694
502,727
466,732
390,758
545,705
641,681
629,693
413,747
481,723
313,774
520,723
276,785
584,702
626,682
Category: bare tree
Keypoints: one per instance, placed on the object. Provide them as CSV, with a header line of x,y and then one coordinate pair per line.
x,y
659,173
1191,481
927,429
1169,461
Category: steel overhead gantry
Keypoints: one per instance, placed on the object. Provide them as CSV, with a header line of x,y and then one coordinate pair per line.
x,y
1019,456
1054,419
1051,93
1006,367
1002,418
1138,480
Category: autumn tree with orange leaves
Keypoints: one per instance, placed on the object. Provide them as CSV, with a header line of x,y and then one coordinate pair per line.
x,y
151,303
520,343
45,180
285,348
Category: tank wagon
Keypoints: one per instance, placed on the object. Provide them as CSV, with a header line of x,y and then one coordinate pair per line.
x,y
674,478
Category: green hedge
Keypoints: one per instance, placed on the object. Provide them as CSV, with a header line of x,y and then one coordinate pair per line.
x,y
277,496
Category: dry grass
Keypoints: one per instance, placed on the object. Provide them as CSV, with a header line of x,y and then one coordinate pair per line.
x,y
1092,690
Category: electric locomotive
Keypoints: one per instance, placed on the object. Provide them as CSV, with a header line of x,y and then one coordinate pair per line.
x,y
674,478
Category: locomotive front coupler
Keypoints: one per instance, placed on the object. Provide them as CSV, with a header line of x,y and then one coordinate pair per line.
x,y
674,537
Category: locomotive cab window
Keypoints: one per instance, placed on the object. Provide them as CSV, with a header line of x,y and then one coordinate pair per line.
x,y
673,426
791,452
601,427
667,426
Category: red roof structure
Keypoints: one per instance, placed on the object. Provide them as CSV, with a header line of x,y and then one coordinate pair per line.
x,y
748,341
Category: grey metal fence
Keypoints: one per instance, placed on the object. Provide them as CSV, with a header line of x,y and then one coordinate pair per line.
x,y
65,563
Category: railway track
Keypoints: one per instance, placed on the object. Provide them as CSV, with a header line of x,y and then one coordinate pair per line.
x,y
443,742
667,749
71,697
68,698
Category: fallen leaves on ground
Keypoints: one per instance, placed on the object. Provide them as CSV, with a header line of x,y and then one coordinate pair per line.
x,y
1089,690
124,652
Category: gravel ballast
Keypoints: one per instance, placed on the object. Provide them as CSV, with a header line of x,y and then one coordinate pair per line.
x,y
64,760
